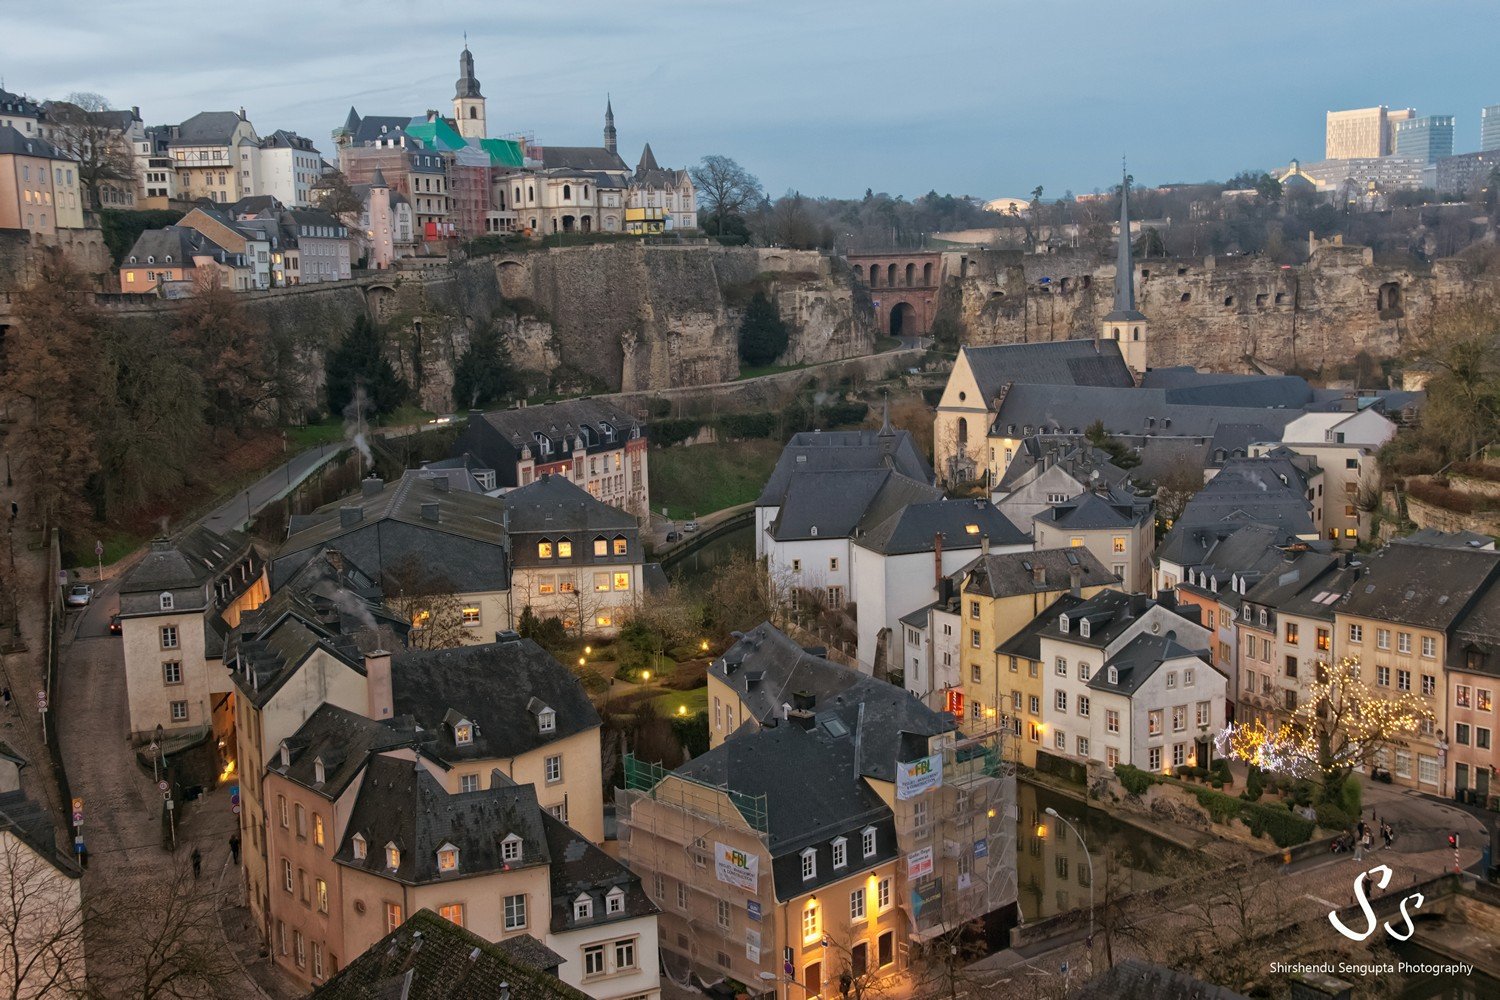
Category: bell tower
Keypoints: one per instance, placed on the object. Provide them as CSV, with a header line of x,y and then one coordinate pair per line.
x,y
610,142
1125,323
468,102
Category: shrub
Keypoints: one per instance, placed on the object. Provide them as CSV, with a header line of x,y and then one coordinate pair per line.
x,y
1331,817
1302,792
1285,828
1183,771
1351,796
1221,808
763,334
1255,784
674,431
1217,783
1134,779
1220,769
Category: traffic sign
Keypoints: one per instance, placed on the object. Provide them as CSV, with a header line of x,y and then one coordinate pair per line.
x,y
235,810
78,804
78,819
162,784
99,549
41,701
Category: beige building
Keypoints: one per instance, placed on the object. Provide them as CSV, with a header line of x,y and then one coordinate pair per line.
x,y
1363,132
214,156
39,189
176,606
1117,526
41,923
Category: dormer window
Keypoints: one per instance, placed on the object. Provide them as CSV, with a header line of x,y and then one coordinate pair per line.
x,y
1114,676
867,841
546,721
601,546
1062,624
615,901
166,601
564,548
318,774
809,865
583,907
621,546
286,755
1084,628
463,734
361,847
840,852
544,549
392,857
447,858
511,848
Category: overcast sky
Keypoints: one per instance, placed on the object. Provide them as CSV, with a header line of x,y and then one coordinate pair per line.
x,y
982,97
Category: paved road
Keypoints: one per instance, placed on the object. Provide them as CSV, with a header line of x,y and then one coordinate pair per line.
x,y
237,511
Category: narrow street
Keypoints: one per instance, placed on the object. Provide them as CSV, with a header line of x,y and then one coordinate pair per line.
x,y
234,513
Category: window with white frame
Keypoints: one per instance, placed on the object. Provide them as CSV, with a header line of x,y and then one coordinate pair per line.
x,y
583,907
515,912
857,905
468,783
511,848
809,864
867,841
554,769
840,852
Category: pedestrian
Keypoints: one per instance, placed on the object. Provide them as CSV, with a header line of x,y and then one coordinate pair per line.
x,y
234,847
1388,834
1359,848
197,862
1369,840
5,696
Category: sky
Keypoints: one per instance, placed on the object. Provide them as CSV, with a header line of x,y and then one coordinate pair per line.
x,y
981,97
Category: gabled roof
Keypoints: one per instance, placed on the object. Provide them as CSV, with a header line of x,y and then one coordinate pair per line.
x,y
374,128
807,776
1110,614
1011,574
831,451
1125,412
175,246
1421,585
342,740
401,803
582,158
914,527
1098,510
1070,452
581,869
491,685
429,958
1137,661
504,152
1213,557
838,504
1057,362
769,671
207,128
555,504
13,143
437,134
1187,385
190,560
1280,585
35,827
1446,539
1265,491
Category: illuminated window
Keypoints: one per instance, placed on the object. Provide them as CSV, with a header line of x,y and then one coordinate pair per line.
x,y
601,582
453,913
321,893
318,829
392,856
601,546
972,529
361,848
463,734
544,549
564,549
622,581
471,617
447,858
392,916
1076,541
1119,543
603,621
812,926
621,547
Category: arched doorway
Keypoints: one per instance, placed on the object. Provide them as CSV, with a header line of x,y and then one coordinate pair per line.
x,y
567,223
903,320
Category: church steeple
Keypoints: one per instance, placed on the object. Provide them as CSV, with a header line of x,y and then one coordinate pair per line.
x,y
1125,323
609,124
468,101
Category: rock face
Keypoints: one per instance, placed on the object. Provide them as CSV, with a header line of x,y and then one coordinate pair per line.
x,y
1223,313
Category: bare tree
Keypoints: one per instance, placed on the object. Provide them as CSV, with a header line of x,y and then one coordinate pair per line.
x,y
82,128
724,188
333,193
41,926
940,965
162,944
427,599
1175,487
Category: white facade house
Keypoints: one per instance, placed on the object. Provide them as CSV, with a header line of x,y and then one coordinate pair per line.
x,y
1344,445
286,168
1155,705
931,661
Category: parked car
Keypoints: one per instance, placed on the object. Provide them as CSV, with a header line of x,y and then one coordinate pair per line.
x,y
115,628
690,526
674,536
79,595
1380,774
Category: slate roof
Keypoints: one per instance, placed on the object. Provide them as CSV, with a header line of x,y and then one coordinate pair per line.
x,y
1420,585
1013,573
1266,491
832,451
1137,660
1218,555
493,686
496,437
1446,539
768,670
1125,412
838,504
429,958
1189,386
1057,363
400,802
466,544
1232,441
1475,646
373,128
33,825
343,741
1110,613
1132,979
174,245
579,868
207,128
1098,510
14,143
282,139
190,560
913,527
807,776
582,158
555,503
1070,452
1297,572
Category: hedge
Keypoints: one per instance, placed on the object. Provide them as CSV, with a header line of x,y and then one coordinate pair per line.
x,y
1134,779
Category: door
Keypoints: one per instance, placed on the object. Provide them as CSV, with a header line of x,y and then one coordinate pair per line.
x,y
812,979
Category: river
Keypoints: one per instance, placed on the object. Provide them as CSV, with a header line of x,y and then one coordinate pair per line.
x,y
696,568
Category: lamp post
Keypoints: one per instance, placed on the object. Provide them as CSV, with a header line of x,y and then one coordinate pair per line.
x,y
1090,858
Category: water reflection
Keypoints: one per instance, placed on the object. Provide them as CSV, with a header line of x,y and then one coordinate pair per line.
x,y
696,568
1052,871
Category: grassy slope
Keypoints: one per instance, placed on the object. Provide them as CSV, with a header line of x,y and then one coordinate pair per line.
x,y
705,478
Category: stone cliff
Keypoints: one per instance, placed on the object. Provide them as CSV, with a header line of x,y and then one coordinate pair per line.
x,y
599,318
1226,313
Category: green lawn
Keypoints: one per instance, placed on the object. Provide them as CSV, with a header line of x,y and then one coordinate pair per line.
x,y
671,703
695,481
748,372
312,435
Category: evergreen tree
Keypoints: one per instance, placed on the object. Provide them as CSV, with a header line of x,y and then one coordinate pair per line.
x,y
763,335
359,361
483,374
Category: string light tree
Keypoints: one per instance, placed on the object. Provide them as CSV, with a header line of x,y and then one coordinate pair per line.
x,y
1342,726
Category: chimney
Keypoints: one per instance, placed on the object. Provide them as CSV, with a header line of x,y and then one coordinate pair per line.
x,y
984,545
1000,396
1167,599
242,114
440,483
135,111
430,511
937,559
350,516
378,684
804,701
1039,574
371,486
1075,580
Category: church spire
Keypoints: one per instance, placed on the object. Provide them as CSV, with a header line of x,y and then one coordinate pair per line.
x,y
609,125
467,86
1124,265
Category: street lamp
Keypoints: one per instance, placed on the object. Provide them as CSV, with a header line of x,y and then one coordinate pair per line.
x,y
1090,858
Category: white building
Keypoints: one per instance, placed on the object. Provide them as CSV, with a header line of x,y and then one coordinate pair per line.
x,y
1155,704
286,168
1344,444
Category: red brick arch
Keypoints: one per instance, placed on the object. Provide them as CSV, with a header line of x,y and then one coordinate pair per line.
x,y
896,278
